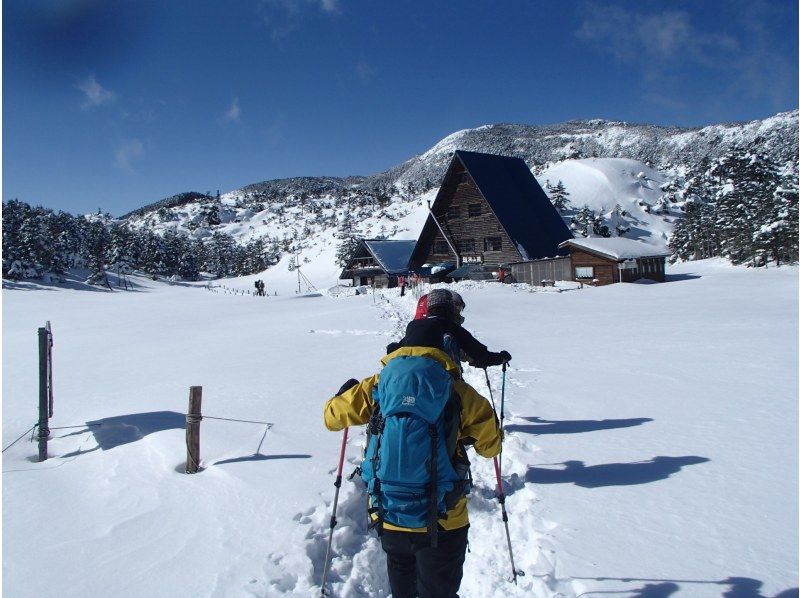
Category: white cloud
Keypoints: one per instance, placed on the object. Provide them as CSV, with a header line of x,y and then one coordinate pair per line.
x,y
127,152
661,37
669,46
284,16
364,70
329,5
234,113
95,94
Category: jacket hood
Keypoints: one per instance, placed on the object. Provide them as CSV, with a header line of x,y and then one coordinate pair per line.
x,y
429,352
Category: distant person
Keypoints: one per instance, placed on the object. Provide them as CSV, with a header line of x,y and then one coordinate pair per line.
x,y
258,287
263,288
402,282
501,275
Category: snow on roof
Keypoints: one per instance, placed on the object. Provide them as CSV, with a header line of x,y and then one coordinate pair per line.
x,y
618,248
391,254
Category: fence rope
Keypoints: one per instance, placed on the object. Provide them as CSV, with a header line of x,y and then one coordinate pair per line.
x,y
228,419
21,437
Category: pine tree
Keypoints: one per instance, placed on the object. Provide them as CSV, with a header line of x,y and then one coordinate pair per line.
x,y
695,236
98,241
778,233
745,204
558,197
583,221
618,224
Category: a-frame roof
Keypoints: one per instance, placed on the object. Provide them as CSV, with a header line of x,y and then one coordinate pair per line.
x,y
516,198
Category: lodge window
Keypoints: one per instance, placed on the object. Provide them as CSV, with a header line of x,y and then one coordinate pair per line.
x,y
492,244
441,247
467,246
584,272
463,177
453,212
474,210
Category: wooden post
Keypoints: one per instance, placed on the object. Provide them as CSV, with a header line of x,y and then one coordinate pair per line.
x,y
193,418
44,399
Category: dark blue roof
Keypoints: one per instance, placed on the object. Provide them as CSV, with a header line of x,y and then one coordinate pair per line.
x,y
391,254
520,204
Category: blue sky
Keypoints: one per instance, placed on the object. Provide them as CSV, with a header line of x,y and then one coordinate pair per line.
x,y
114,105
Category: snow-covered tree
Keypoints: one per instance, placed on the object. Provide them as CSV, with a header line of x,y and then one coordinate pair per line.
x,y
558,197
618,224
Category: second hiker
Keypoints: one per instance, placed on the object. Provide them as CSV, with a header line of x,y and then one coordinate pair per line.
x,y
421,414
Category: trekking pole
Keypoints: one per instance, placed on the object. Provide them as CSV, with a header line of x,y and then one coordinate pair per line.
x,y
338,484
491,395
502,410
494,407
501,498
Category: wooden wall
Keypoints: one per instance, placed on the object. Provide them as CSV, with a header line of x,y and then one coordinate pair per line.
x,y
605,270
463,192
534,272
652,268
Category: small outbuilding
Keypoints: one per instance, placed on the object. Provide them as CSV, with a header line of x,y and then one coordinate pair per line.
x,y
601,260
378,262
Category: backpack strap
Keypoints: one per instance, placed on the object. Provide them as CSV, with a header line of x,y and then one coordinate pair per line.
x,y
375,428
433,497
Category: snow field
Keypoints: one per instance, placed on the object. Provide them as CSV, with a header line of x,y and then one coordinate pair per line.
x,y
651,444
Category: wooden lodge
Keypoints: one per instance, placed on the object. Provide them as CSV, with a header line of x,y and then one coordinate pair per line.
x,y
378,262
489,210
601,261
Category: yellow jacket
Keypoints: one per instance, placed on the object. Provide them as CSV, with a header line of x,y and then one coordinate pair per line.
x,y
355,406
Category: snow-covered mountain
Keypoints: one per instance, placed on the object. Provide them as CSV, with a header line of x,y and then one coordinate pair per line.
x,y
602,164
665,148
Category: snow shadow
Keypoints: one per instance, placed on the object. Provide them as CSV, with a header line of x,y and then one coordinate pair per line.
x,y
112,432
612,474
737,587
679,277
74,281
259,457
578,426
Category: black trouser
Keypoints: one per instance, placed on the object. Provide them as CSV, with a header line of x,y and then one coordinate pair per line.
x,y
416,569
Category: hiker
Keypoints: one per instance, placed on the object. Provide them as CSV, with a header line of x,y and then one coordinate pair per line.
x,y
401,280
258,288
442,315
263,288
501,275
419,395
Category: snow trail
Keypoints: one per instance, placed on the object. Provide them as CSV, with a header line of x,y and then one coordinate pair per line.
x,y
358,565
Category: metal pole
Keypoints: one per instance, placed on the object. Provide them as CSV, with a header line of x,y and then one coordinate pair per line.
x,y
49,369
338,484
502,411
501,498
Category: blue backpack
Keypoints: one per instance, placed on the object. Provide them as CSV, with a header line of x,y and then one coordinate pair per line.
x,y
414,469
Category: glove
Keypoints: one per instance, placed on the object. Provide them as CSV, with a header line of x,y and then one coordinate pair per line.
x,y
347,386
505,356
